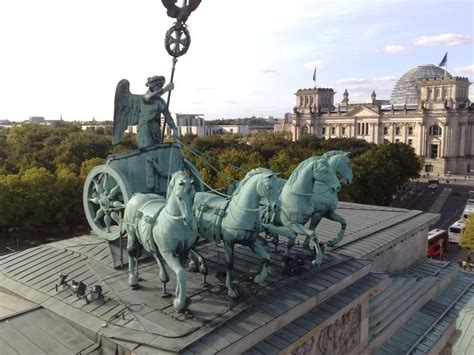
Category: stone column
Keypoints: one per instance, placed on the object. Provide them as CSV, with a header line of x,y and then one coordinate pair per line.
x,y
420,139
462,143
471,139
392,127
442,145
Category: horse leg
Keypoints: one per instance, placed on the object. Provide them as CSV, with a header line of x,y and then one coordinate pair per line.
x,y
200,260
336,217
258,248
284,231
300,229
133,250
164,278
229,260
174,263
315,219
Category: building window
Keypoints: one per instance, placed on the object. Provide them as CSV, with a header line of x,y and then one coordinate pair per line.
x,y
410,142
343,130
435,130
323,130
428,168
397,140
410,130
397,131
333,130
434,151
385,130
437,94
430,94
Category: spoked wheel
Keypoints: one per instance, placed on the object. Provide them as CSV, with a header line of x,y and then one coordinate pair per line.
x,y
105,195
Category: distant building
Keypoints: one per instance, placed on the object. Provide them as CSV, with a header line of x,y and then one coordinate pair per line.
x,y
429,110
195,124
36,120
190,124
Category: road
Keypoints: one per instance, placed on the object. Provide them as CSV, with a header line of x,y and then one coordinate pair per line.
x,y
420,197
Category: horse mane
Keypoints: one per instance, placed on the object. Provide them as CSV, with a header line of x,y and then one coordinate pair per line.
x,y
294,175
340,154
248,176
332,153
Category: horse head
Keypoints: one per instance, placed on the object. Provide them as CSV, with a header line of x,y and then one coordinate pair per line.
x,y
265,184
268,188
181,191
341,164
324,174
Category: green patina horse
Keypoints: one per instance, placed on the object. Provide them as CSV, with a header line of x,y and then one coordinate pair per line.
x,y
325,200
298,204
166,228
236,220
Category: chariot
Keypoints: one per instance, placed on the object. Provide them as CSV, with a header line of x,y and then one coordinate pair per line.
x,y
108,187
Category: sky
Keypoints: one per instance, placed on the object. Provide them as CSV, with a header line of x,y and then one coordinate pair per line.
x,y
247,57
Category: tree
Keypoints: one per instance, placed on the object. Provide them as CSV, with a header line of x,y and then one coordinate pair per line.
x,y
80,146
66,203
467,236
381,171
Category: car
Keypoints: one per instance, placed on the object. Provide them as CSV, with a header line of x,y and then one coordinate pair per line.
x,y
432,186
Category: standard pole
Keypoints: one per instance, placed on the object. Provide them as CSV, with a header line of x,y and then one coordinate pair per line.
x,y
169,98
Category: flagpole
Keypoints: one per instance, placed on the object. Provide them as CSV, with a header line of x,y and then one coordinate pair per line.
x,y
446,66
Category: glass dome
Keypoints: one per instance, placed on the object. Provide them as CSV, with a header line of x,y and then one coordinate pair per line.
x,y
407,91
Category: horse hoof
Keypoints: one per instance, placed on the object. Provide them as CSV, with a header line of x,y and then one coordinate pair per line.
x,y
166,295
316,262
179,307
232,293
135,287
259,279
308,252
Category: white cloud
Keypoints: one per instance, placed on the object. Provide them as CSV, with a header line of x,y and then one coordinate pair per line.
x,y
465,70
395,48
447,39
269,71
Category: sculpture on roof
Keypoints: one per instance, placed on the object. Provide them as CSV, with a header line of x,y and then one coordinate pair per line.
x,y
297,203
142,110
236,220
181,14
309,195
166,228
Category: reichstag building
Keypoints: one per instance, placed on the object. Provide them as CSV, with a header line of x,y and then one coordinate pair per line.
x,y
429,109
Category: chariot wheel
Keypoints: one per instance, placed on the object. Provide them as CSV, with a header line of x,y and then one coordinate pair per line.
x,y
104,197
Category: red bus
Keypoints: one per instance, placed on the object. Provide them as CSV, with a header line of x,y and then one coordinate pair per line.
x,y
438,242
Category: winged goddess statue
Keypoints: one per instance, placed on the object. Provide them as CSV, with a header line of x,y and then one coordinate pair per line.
x,y
142,110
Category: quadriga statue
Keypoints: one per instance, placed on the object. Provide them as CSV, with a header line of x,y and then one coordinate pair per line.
x,y
236,220
166,228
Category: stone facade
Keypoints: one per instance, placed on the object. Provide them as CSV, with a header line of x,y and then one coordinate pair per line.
x,y
440,126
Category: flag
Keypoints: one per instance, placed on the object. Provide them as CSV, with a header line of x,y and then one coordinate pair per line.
x,y
444,60
314,73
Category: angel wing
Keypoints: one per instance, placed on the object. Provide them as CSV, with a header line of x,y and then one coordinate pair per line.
x,y
126,109
180,13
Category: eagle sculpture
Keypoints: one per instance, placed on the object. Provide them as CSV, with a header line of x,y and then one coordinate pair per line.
x,y
181,14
